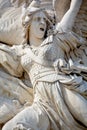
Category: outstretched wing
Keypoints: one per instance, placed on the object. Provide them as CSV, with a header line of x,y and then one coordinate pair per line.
x,y
10,23
11,29
4,5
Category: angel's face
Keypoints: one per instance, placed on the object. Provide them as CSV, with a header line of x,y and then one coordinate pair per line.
x,y
38,25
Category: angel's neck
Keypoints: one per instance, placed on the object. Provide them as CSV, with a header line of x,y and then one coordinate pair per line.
x,y
34,41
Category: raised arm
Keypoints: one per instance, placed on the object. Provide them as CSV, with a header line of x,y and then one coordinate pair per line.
x,y
68,19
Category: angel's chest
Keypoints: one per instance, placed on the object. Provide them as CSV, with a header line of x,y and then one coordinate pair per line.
x,y
26,62
45,53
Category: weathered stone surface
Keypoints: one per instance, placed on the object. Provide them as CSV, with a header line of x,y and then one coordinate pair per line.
x,y
43,65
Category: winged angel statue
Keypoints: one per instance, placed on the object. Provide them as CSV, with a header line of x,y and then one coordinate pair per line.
x,y
49,46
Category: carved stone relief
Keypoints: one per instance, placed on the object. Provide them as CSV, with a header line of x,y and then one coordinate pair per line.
x,y
43,65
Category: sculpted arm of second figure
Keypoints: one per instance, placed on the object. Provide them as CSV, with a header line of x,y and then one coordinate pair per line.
x,y
10,59
66,25
68,19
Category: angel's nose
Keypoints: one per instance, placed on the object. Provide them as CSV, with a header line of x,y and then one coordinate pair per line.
x,y
42,21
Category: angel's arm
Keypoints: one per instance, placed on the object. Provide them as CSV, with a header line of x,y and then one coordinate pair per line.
x,y
69,18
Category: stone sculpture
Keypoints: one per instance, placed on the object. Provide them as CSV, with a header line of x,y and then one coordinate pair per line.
x,y
53,55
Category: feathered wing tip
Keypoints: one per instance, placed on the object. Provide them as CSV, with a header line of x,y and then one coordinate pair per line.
x,y
18,3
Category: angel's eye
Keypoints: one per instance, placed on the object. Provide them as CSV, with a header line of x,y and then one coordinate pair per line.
x,y
37,19
45,19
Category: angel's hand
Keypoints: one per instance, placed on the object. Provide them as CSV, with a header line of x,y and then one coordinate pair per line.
x,y
61,66
77,66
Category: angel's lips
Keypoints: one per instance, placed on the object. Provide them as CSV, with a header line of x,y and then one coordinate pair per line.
x,y
42,29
